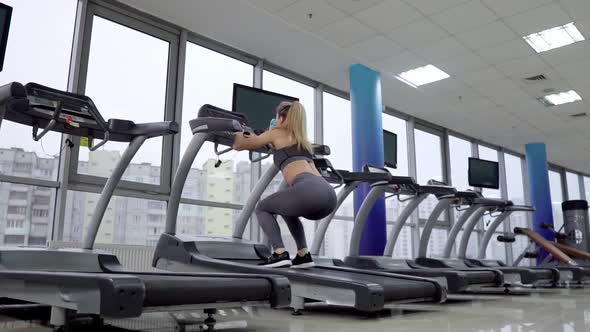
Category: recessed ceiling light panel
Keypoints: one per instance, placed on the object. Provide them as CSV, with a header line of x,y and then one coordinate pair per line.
x,y
422,75
561,98
554,38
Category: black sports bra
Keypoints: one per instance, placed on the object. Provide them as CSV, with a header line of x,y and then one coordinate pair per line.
x,y
285,156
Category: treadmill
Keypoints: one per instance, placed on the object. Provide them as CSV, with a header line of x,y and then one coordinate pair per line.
x,y
363,291
89,283
382,181
477,207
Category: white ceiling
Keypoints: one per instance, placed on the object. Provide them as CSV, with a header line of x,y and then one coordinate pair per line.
x,y
478,42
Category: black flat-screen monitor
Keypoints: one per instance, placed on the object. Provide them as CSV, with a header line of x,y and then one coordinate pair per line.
x,y
484,173
5,17
390,149
258,105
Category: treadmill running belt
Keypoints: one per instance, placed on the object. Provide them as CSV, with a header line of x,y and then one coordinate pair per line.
x,y
479,277
172,290
537,274
395,289
409,289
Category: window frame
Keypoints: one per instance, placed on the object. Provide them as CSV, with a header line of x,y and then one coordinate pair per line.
x,y
436,131
149,28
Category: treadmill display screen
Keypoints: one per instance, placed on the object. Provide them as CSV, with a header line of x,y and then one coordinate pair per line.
x,y
484,173
390,147
5,16
258,105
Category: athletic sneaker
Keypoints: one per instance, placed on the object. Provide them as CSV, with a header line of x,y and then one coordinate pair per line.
x,y
276,260
303,262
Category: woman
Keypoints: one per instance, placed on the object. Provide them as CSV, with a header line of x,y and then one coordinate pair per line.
x,y
308,194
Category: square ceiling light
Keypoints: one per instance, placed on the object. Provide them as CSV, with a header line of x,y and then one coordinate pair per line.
x,y
422,75
561,98
554,38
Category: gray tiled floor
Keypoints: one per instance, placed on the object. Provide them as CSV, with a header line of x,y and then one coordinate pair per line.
x,y
555,310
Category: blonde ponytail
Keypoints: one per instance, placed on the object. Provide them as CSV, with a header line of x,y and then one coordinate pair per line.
x,y
295,123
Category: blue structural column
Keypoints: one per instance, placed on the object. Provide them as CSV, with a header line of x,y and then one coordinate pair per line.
x,y
536,158
367,148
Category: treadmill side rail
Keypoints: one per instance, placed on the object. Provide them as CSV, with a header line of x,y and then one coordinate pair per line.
x,y
108,295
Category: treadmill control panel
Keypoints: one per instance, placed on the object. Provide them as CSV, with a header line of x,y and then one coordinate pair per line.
x,y
49,109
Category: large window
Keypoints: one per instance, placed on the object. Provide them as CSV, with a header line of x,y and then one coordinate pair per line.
x,y
337,240
587,187
126,221
39,48
126,79
556,187
398,126
515,189
393,206
460,151
494,251
404,245
429,167
209,79
428,156
337,135
492,155
573,186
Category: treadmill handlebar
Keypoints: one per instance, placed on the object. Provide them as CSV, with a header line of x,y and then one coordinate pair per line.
x,y
468,194
492,202
433,182
214,125
321,150
328,171
437,189
12,90
402,180
148,129
210,111
50,109
507,238
520,208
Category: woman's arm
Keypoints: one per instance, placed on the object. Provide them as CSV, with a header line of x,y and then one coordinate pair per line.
x,y
252,141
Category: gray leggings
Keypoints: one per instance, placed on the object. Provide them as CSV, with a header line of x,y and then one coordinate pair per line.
x,y
310,196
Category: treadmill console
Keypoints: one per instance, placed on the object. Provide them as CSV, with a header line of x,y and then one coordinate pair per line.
x,y
51,109
374,169
225,138
77,107
399,185
210,114
328,172
321,150
47,109
210,111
